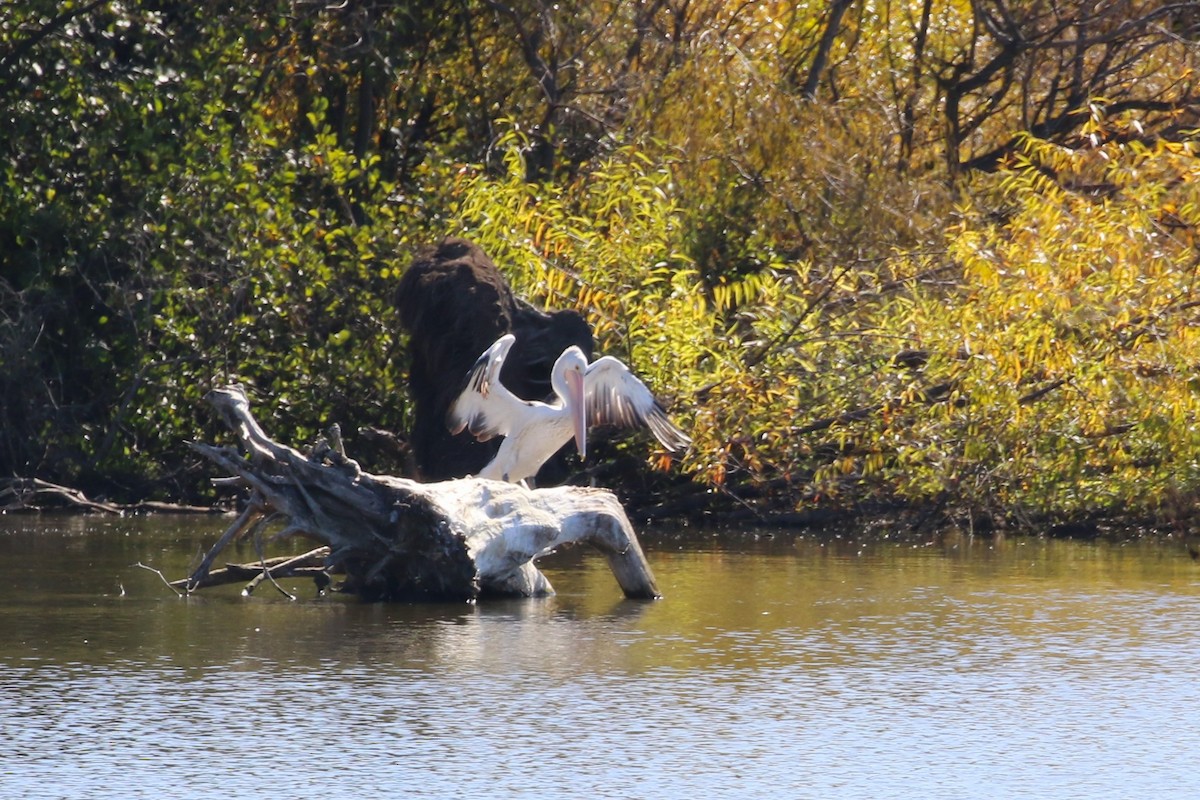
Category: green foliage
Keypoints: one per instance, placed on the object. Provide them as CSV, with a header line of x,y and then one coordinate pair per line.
x,y
206,249
1077,337
1055,348
859,251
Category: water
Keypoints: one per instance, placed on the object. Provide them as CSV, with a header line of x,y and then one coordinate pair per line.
x,y
774,667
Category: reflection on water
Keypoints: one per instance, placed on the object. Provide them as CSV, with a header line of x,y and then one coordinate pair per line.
x,y
774,667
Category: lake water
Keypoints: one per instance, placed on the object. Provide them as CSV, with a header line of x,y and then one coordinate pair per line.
x,y
774,667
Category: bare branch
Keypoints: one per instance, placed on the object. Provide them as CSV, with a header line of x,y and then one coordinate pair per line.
x,y
170,585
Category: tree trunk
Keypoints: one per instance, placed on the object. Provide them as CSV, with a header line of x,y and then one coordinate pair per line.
x,y
398,539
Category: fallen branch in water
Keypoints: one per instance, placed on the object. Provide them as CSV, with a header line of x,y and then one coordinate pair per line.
x,y
35,494
305,565
396,538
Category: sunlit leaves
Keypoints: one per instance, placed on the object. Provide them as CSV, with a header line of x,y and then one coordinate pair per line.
x,y
1077,339
1036,368
218,191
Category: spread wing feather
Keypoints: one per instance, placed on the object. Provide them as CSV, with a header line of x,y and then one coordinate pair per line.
x,y
615,396
486,407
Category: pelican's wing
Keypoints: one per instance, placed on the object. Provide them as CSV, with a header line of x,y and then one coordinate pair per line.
x,y
486,407
615,396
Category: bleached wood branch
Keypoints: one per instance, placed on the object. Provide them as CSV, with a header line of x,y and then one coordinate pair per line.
x,y
395,538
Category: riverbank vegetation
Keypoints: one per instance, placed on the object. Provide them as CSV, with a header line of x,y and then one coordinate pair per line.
x,y
927,255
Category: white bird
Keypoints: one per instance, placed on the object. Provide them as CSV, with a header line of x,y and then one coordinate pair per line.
x,y
603,392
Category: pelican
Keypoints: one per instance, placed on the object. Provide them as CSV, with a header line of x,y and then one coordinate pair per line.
x,y
604,391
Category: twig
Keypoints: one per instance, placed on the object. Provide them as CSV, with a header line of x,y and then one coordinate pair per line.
x,y
235,573
1038,394
933,394
162,577
262,558
282,566
251,512
752,359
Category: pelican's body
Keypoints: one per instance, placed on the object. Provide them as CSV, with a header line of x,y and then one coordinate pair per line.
x,y
604,391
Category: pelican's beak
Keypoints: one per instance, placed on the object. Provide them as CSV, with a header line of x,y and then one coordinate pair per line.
x,y
578,403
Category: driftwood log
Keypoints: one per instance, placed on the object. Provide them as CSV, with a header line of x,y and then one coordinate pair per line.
x,y
393,538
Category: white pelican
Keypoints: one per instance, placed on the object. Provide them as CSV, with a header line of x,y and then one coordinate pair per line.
x,y
603,392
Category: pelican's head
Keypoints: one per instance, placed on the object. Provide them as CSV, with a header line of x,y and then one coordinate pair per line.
x,y
567,380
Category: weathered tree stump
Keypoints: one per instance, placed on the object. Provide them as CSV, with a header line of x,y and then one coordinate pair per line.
x,y
395,538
